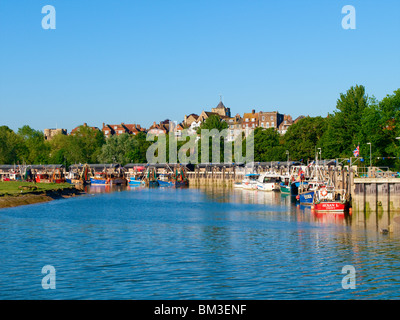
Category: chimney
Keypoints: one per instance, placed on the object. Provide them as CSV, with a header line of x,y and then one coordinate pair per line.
x,y
253,111
85,124
103,124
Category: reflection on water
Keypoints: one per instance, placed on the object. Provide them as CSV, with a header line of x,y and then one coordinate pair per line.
x,y
214,243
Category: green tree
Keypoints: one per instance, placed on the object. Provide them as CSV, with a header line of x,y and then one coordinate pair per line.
x,y
302,138
12,146
85,144
36,149
267,145
139,146
341,135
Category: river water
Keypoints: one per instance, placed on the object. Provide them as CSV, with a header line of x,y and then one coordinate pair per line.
x,y
166,243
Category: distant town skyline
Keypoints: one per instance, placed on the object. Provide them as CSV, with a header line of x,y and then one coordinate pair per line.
x,y
140,62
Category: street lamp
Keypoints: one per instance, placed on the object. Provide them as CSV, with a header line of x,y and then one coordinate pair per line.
x,y
320,158
370,154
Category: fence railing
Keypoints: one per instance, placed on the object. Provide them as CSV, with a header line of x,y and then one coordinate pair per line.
x,y
376,172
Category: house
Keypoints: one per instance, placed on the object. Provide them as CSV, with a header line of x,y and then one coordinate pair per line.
x,y
50,133
118,129
234,127
250,121
157,129
205,115
286,123
188,120
193,127
270,119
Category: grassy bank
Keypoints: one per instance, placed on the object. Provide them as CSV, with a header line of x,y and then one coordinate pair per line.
x,y
15,193
18,187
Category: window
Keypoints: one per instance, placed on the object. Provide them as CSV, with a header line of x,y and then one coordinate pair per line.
x,y
272,117
267,124
252,119
119,131
247,125
107,132
272,124
253,125
285,121
115,127
263,118
247,119
262,124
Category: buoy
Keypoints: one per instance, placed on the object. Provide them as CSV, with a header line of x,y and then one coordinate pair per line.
x,y
312,207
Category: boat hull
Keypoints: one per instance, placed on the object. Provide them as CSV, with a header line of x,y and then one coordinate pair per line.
x,y
249,185
133,182
306,198
266,186
285,189
162,183
113,181
331,206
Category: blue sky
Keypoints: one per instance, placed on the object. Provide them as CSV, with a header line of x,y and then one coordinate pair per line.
x,y
144,61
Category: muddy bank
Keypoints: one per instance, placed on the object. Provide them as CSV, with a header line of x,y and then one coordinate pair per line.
x,y
8,201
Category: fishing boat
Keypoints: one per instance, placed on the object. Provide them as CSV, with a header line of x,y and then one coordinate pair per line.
x,y
57,176
136,181
307,190
329,200
99,178
78,174
135,177
164,181
285,184
268,182
150,177
179,179
250,181
103,178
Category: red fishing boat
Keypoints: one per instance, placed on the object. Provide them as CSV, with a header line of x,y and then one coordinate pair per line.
x,y
328,200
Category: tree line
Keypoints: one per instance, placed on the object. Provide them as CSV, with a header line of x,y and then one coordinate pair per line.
x,y
357,120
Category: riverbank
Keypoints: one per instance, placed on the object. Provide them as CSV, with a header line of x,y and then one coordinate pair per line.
x,y
14,193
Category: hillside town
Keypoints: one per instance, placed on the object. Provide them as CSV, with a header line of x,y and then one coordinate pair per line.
x,y
249,121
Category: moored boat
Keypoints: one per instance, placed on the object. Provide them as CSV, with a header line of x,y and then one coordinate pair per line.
x,y
268,182
250,181
102,178
285,185
306,192
328,200
135,181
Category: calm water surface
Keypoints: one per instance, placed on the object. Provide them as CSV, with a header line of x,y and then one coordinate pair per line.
x,y
169,243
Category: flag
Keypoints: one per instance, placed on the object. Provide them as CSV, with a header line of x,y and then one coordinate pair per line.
x,y
356,151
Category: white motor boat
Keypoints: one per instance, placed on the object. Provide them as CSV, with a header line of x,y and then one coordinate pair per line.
x,y
268,182
249,182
